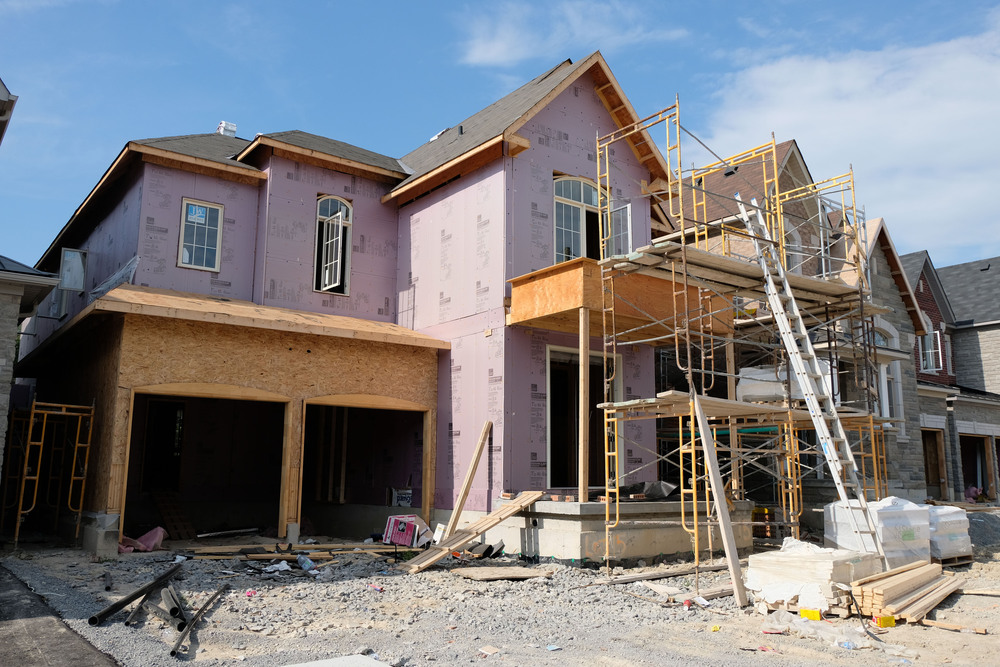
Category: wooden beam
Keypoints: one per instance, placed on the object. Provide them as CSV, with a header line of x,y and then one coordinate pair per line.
x,y
583,467
429,465
229,172
463,494
721,507
464,163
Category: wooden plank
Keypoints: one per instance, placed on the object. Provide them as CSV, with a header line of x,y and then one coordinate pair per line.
x,y
902,584
951,626
496,573
464,536
721,507
931,600
889,573
463,494
663,574
909,599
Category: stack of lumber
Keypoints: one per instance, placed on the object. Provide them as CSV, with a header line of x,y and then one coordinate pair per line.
x,y
908,592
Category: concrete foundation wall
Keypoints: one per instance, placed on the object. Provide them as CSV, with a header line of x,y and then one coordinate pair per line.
x,y
575,531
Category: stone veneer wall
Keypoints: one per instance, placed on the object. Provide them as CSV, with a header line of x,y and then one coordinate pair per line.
x,y
977,357
903,445
10,306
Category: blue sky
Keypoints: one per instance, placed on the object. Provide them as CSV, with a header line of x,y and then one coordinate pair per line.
x,y
911,102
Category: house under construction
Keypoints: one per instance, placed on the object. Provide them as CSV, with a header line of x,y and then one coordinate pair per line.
x,y
337,325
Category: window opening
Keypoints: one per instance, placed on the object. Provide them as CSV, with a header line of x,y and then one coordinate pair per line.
x,y
333,243
201,235
577,228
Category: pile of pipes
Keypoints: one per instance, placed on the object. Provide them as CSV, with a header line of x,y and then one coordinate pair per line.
x,y
172,610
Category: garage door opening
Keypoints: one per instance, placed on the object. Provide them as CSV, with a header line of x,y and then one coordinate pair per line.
x,y
355,458
204,465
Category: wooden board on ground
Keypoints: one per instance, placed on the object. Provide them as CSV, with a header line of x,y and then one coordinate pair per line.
x,y
496,573
462,537
663,574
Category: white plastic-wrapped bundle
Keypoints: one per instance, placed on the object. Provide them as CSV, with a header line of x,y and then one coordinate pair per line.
x,y
903,527
949,531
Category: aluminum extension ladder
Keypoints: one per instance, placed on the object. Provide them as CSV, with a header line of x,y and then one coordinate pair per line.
x,y
818,396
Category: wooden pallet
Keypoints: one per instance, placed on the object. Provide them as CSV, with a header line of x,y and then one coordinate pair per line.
x,y
465,535
954,561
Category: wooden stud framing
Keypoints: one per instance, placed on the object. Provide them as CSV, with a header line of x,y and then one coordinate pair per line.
x,y
583,482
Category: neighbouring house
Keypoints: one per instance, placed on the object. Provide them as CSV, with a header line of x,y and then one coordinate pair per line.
x,y
7,102
293,333
21,289
957,370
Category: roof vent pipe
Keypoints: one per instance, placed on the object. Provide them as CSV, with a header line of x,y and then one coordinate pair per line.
x,y
226,129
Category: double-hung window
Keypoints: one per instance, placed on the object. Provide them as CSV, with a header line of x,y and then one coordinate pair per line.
x,y
201,235
930,351
333,244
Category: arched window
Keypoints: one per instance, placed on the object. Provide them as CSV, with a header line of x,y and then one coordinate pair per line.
x,y
333,245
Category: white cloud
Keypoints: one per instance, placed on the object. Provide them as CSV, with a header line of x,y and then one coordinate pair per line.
x,y
918,124
512,32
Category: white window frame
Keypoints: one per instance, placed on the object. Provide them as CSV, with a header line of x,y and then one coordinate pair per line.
x,y
190,210
570,240
620,232
890,373
333,247
931,360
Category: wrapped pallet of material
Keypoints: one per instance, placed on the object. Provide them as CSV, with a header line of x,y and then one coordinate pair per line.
x,y
949,531
806,575
903,528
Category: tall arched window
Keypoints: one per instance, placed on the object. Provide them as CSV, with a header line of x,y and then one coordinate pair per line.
x,y
333,245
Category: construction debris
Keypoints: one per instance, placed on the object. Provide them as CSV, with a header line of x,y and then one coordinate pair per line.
x,y
805,576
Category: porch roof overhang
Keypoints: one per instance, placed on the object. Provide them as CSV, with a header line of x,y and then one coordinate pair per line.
x,y
153,302
130,299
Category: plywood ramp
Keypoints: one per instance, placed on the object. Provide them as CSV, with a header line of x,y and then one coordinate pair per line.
x,y
469,533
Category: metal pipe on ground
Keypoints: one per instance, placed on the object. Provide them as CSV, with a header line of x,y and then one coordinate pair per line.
x,y
107,581
161,613
138,608
169,603
160,581
180,603
180,640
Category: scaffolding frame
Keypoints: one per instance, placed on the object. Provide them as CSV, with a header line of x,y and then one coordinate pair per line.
x,y
719,313
48,451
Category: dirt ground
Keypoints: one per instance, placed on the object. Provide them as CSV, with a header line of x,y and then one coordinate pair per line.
x,y
363,604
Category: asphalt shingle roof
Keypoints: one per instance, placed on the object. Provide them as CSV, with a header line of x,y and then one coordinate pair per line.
x,y
972,289
913,264
213,146
12,266
484,125
336,148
